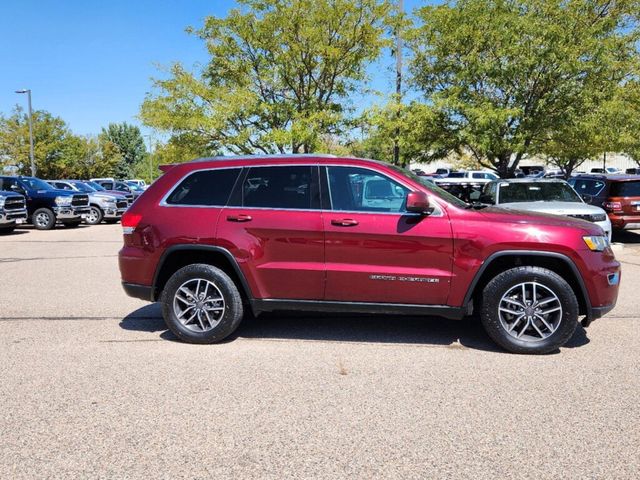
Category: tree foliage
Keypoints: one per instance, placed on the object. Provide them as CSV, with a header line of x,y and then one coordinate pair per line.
x,y
508,74
279,77
129,144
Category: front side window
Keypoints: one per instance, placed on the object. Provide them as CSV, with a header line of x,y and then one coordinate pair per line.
x,y
280,187
205,188
361,190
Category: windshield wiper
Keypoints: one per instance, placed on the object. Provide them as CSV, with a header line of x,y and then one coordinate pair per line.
x,y
476,206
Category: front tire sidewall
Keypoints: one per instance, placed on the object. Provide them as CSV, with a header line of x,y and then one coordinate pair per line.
x,y
497,287
98,215
233,304
45,226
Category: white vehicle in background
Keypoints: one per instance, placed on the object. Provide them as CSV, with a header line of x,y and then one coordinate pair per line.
x,y
552,196
470,176
137,183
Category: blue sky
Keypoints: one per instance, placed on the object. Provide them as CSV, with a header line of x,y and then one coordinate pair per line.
x,y
90,62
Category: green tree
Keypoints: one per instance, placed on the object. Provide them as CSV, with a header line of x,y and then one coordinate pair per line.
x,y
130,146
279,77
507,74
56,149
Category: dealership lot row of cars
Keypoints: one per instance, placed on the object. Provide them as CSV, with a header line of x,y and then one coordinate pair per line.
x,y
68,202
612,201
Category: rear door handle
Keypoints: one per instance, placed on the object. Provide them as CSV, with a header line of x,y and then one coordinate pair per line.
x,y
344,222
241,217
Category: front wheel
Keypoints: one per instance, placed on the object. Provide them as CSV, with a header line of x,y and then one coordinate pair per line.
x,y
95,215
529,310
201,304
44,219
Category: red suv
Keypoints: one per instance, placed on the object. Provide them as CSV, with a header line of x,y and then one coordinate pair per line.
x,y
216,238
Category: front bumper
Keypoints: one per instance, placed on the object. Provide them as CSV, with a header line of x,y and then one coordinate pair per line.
x,y
70,213
113,212
12,216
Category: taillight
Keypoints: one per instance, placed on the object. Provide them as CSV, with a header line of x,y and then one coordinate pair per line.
x,y
129,222
612,206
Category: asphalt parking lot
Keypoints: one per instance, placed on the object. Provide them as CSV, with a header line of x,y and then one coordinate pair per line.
x,y
93,386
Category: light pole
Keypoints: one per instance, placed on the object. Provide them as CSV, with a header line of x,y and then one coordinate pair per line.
x,y
150,157
396,142
33,162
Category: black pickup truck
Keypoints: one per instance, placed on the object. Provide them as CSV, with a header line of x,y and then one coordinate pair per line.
x,y
13,211
47,205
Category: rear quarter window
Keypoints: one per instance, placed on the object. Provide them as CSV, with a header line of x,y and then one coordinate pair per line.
x,y
205,188
625,189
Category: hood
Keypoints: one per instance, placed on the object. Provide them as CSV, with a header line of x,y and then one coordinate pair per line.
x,y
555,208
522,217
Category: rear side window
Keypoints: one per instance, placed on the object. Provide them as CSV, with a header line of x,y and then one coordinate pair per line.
x,y
625,189
280,187
205,188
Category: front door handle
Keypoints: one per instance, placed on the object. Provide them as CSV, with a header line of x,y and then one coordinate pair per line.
x,y
344,222
241,217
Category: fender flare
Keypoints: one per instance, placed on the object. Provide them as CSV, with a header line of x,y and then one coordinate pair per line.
x,y
200,248
531,253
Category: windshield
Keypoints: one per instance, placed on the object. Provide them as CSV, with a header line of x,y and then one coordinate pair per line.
x,y
431,187
537,192
95,186
83,187
36,184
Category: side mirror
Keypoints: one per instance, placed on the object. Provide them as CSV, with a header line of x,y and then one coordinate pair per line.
x,y
16,188
486,199
418,202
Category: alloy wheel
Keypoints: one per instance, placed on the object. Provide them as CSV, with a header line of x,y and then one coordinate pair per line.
x,y
42,219
530,311
199,305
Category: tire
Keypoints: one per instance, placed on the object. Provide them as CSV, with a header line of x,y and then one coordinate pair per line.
x,y
503,310
73,224
186,317
43,219
6,230
95,215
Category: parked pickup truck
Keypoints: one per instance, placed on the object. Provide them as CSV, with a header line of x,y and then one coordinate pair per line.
x,y
102,206
13,211
47,205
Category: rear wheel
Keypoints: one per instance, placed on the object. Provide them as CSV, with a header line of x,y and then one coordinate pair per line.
x,y
43,219
201,304
529,310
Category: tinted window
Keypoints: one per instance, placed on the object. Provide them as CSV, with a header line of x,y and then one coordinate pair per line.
x,y
489,193
359,189
587,187
625,189
208,187
280,187
457,175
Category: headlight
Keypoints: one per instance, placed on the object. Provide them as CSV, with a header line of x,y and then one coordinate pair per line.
x,y
63,201
108,201
596,243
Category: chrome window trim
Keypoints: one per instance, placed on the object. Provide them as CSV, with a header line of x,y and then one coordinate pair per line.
x,y
163,201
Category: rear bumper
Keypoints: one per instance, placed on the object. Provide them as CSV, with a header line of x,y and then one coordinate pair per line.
x,y
143,292
624,222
